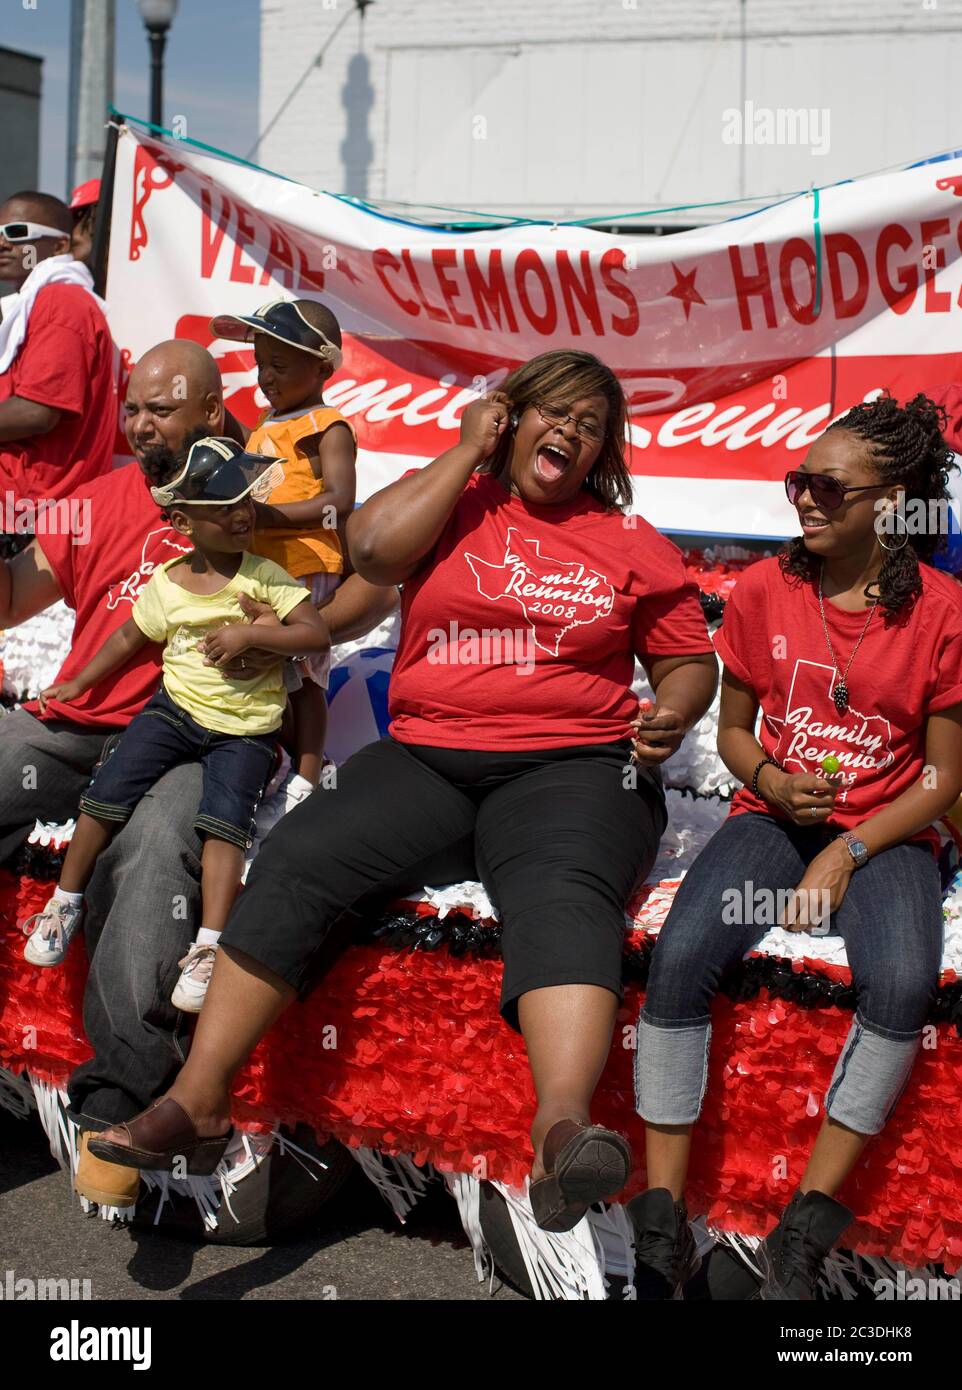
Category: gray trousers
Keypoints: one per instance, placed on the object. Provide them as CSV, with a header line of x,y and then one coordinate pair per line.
x,y
142,904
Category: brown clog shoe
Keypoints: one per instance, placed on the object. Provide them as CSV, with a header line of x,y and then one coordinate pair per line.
x,y
583,1164
165,1137
107,1184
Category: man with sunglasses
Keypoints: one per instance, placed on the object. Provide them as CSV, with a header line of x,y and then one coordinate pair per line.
x,y
57,392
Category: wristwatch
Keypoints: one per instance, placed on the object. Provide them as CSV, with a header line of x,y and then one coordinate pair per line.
x,y
856,847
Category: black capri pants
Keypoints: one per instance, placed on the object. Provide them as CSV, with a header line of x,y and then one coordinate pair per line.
x,y
559,837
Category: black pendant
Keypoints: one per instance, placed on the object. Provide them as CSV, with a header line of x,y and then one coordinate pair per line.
x,y
840,696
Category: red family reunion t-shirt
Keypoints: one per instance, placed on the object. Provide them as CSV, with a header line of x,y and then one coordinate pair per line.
x,y
521,629
101,581
66,361
772,640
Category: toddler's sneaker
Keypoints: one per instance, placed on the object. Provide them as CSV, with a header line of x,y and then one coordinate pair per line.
x,y
293,790
50,932
195,972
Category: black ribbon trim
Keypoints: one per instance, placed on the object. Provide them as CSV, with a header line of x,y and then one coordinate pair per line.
x,y
806,989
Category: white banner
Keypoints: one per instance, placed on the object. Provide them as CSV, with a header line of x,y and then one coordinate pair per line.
x,y
736,344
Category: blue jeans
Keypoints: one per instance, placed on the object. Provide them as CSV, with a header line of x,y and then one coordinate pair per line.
x,y
236,769
890,920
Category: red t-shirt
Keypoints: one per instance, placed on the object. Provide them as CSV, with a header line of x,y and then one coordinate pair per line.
x,y
66,361
522,628
100,582
772,640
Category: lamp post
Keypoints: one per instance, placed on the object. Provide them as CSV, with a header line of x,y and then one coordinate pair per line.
x,y
158,16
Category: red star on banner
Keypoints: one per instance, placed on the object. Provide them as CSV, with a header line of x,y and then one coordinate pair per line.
x,y
684,289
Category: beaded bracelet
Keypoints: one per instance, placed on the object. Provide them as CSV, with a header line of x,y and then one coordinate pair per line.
x,y
758,769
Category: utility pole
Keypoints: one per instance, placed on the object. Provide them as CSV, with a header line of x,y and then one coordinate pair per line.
x,y
92,26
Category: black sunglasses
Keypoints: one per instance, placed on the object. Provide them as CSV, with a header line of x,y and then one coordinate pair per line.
x,y
827,493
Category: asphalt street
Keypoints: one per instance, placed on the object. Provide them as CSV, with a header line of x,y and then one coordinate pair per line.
x,y
356,1251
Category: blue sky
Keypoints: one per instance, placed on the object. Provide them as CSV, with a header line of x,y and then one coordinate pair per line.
x,y
211,71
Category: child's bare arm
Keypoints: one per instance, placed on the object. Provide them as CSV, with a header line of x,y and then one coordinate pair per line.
x,y
118,648
301,633
331,456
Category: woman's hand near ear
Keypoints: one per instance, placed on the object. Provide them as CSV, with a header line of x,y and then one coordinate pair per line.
x,y
483,422
392,534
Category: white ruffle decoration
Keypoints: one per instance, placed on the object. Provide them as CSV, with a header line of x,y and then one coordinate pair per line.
x,y
34,652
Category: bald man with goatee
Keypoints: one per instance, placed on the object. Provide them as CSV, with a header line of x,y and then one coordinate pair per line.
x,y
142,902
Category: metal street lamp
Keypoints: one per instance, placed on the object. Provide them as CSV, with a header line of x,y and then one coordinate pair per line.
x,y
158,16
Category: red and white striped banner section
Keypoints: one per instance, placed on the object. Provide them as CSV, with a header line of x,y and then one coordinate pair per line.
x,y
736,343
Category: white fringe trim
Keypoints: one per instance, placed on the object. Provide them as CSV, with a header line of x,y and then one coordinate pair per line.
x,y
397,1177
243,1156
561,1267
574,1266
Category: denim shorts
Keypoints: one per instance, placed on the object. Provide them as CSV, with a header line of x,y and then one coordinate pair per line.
x,y
236,770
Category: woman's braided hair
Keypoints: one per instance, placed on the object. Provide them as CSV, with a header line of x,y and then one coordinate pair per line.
x,y
907,448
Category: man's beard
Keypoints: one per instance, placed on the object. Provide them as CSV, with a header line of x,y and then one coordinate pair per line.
x,y
159,463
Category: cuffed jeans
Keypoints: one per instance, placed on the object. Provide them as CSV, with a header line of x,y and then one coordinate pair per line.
x,y
890,920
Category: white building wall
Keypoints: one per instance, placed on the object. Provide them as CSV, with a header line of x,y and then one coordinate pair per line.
x,y
581,108
20,81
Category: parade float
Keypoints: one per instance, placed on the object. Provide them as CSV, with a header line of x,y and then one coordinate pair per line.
x,y
403,1064
736,344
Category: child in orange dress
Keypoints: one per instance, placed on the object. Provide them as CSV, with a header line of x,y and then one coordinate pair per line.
x,y
297,346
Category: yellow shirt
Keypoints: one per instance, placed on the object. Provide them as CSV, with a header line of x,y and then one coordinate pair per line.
x,y
166,612
318,552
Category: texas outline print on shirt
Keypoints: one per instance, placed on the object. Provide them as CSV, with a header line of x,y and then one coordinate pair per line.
x,y
552,594
130,589
812,728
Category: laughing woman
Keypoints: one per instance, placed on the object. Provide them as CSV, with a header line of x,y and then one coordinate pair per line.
x,y
851,646
527,596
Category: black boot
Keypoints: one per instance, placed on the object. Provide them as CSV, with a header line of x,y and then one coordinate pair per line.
x,y
665,1254
792,1255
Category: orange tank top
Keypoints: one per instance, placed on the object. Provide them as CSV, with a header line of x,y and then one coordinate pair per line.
x,y
317,552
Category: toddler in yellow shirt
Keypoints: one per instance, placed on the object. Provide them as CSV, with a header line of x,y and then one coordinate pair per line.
x,y
297,346
198,713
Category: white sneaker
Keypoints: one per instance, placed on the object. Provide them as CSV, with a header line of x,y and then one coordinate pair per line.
x,y
50,932
293,790
195,972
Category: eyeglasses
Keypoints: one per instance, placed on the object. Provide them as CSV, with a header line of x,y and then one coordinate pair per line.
x,y
29,231
827,493
553,414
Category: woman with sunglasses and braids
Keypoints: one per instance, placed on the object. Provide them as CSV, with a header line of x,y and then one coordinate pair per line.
x,y
850,645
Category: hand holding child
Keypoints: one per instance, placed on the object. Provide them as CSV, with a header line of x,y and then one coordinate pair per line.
x,y
256,660
220,647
